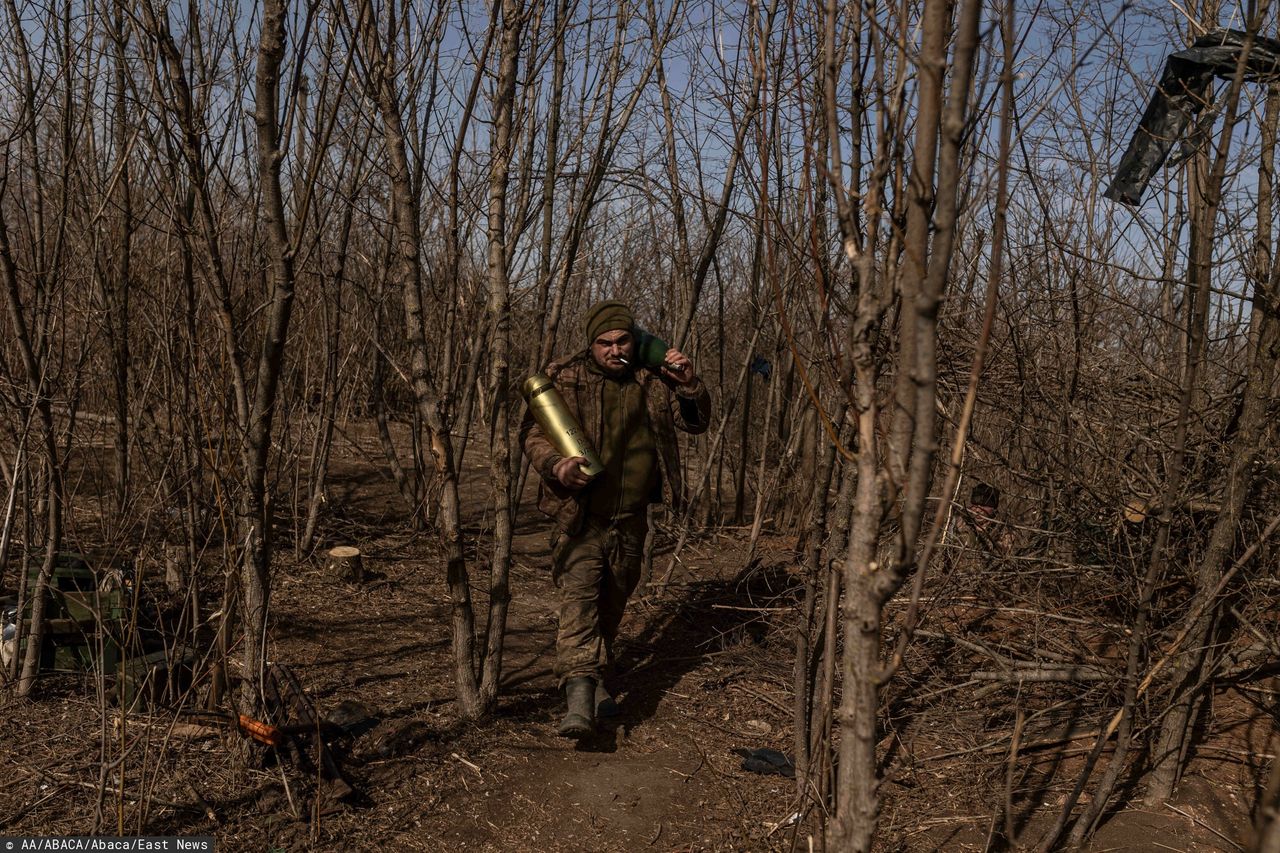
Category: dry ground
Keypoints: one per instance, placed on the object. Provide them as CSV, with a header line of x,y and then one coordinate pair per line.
x,y
707,669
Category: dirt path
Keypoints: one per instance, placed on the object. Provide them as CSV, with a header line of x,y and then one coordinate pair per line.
x,y
706,669
660,776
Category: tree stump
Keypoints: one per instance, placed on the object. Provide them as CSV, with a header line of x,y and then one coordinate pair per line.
x,y
345,564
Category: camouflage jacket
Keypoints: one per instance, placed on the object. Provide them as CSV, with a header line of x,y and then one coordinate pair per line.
x,y
669,407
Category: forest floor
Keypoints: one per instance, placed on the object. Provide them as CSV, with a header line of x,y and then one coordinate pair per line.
x,y
706,669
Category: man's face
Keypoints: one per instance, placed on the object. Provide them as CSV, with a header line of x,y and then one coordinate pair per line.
x,y
983,515
611,348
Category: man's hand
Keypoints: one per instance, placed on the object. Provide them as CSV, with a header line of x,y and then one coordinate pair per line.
x,y
570,475
681,368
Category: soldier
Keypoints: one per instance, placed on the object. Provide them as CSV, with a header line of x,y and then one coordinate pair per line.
x,y
629,413
976,526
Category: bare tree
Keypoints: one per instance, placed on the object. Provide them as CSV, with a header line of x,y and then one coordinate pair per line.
x,y
894,474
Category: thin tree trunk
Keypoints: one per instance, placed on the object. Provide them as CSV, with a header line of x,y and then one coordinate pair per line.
x,y
118,300
257,511
551,167
500,460
333,379
1170,748
427,398
40,406
870,584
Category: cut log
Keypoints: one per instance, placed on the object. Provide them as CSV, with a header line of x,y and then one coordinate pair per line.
x,y
1047,673
345,564
166,728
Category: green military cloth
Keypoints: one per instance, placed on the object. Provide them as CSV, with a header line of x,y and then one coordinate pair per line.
x,y
606,317
595,571
627,449
632,421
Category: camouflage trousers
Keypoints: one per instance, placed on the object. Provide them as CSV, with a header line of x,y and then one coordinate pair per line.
x,y
595,573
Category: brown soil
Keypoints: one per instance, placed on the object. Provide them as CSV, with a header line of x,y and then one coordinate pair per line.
x,y
707,668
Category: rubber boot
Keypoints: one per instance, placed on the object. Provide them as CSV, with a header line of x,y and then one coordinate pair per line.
x,y
606,705
580,721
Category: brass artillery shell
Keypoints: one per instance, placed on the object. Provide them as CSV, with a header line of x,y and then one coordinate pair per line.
x,y
558,424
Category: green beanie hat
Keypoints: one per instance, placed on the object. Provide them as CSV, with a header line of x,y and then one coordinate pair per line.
x,y
607,316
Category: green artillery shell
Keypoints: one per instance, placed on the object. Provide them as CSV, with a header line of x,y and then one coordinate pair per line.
x,y
650,349
558,424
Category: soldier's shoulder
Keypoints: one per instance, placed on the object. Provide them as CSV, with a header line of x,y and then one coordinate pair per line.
x,y
567,368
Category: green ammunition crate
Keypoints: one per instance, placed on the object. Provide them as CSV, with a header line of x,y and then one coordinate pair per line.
x,y
75,611
85,606
71,570
71,646
73,590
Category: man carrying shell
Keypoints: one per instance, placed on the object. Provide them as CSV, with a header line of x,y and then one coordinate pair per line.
x,y
629,412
